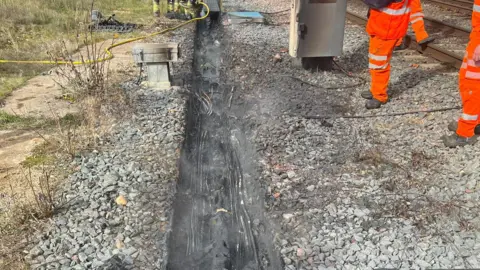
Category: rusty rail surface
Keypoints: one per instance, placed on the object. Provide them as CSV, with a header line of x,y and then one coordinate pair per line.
x,y
430,50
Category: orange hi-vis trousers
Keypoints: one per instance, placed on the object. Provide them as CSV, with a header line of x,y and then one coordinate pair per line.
x,y
379,55
416,19
469,84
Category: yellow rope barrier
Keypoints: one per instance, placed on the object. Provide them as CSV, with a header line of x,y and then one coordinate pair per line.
x,y
107,50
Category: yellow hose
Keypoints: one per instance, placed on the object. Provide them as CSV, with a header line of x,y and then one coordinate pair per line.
x,y
107,50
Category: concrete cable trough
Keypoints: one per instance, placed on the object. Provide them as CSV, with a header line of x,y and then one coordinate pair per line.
x,y
212,224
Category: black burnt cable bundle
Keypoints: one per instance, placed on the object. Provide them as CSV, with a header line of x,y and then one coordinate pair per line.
x,y
362,80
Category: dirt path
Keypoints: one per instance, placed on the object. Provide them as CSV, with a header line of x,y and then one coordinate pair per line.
x,y
42,94
42,97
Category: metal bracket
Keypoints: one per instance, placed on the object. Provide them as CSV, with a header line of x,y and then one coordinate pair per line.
x,y
302,30
156,59
142,58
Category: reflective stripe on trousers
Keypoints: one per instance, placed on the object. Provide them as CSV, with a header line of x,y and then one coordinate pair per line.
x,y
417,14
416,20
469,117
469,85
473,69
379,54
476,8
377,61
472,75
377,57
470,94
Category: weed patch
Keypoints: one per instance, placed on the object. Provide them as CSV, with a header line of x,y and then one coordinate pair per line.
x,y
46,30
11,121
35,29
7,85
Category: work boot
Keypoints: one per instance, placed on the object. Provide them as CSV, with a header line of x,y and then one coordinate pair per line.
x,y
426,41
453,126
373,104
455,140
368,95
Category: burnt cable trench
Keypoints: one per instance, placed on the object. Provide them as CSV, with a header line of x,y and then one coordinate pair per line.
x,y
212,226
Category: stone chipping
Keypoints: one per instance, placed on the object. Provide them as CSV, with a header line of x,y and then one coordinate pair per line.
x,y
364,193
116,207
367,193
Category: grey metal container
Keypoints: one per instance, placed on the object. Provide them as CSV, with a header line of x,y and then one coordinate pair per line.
x,y
317,28
213,5
155,52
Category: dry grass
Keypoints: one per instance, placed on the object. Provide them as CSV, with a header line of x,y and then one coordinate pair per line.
x,y
46,29
32,195
8,84
31,29
30,198
94,89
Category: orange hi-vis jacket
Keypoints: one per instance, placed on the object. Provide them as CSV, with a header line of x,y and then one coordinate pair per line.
x,y
471,69
390,22
475,34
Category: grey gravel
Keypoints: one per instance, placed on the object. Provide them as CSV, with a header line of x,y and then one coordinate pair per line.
x,y
364,193
355,193
137,160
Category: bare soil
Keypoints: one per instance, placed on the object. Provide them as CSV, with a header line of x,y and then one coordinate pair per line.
x,y
42,97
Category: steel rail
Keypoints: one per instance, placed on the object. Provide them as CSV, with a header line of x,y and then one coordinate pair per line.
x,y
447,27
466,2
430,50
450,4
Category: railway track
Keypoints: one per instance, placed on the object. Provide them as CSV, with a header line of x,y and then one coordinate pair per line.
x,y
460,5
447,28
431,50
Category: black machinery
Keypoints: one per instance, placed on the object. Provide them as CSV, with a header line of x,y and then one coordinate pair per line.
x,y
110,24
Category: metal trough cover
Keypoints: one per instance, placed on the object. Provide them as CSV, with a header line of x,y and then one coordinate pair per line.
x,y
245,16
155,52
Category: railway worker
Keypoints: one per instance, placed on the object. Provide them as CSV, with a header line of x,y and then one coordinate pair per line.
x,y
193,9
385,26
418,26
156,8
467,128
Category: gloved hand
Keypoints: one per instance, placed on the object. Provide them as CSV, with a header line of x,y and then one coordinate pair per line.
x,y
476,54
